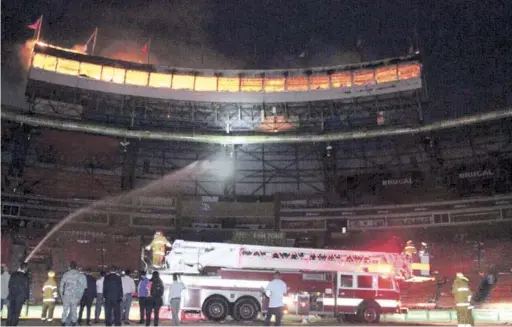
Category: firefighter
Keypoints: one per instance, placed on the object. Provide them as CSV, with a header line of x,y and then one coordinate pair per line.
x,y
50,295
157,246
410,250
462,295
410,254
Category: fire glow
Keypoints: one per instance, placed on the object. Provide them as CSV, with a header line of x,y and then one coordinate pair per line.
x,y
76,48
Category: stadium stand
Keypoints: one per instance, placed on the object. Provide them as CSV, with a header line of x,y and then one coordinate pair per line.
x,y
70,184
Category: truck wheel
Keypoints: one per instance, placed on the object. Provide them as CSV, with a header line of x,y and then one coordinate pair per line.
x,y
215,309
245,310
369,312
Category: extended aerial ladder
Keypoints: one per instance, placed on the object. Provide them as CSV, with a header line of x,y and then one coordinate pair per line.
x,y
193,258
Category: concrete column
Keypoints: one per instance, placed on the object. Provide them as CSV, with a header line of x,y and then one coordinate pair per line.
x,y
178,222
277,211
129,165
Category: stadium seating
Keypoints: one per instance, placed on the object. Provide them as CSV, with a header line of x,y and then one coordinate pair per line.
x,y
417,295
70,184
449,258
95,251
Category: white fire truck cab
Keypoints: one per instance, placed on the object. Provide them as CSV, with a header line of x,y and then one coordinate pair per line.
x,y
224,280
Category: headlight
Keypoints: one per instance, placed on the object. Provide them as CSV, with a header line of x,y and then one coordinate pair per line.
x,y
288,301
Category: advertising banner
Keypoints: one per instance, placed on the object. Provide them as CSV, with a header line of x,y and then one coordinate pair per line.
x,y
484,209
403,180
259,238
303,225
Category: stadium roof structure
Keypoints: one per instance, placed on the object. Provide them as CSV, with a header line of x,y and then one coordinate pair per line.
x,y
10,113
89,89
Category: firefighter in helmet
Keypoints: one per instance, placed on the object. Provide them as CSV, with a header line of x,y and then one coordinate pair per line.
x,y
49,297
157,246
462,295
410,249
409,252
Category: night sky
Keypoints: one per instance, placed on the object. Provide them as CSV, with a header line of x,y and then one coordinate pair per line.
x,y
466,45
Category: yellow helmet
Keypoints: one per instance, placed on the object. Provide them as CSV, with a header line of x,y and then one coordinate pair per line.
x,y
51,274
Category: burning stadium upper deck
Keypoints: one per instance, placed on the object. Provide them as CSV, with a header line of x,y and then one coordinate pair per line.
x,y
59,66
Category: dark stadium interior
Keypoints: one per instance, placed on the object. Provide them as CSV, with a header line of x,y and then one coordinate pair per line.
x,y
47,173
349,156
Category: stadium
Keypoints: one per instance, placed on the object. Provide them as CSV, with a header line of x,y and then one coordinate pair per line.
x,y
325,158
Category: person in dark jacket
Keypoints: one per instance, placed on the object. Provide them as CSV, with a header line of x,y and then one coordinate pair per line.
x,y
19,290
154,301
486,286
142,292
88,297
113,294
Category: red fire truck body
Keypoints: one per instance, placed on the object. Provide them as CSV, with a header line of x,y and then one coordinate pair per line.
x,y
229,279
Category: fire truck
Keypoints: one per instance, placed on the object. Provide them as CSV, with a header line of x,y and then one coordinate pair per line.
x,y
225,279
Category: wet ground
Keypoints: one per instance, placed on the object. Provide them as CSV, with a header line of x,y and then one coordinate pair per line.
x,y
329,322
32,319
168,323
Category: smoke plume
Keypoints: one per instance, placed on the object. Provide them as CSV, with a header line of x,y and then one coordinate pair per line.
x,y
15,66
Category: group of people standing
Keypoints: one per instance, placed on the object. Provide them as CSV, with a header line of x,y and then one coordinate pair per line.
x,y
113,291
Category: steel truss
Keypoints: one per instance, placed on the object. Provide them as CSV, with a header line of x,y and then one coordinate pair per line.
x,y
266,169
398,109
259,170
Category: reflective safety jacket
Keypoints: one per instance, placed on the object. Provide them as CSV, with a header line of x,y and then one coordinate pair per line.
x,y
410,250
50,290
461,291
158,245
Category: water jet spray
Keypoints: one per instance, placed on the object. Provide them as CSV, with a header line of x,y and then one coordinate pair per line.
x,y
162,185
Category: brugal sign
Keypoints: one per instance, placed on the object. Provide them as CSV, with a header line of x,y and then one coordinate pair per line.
x,y
477,174
405,179
401,181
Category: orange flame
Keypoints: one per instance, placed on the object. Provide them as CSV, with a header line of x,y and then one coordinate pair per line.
x,y
79,48
132,57
128,51
276,124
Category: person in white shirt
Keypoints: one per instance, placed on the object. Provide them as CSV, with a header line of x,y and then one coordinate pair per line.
x,y
275,291
100,301
5,287
177,288
128,290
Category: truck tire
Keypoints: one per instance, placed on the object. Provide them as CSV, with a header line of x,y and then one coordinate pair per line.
x,y
245,309
369,312
215,308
